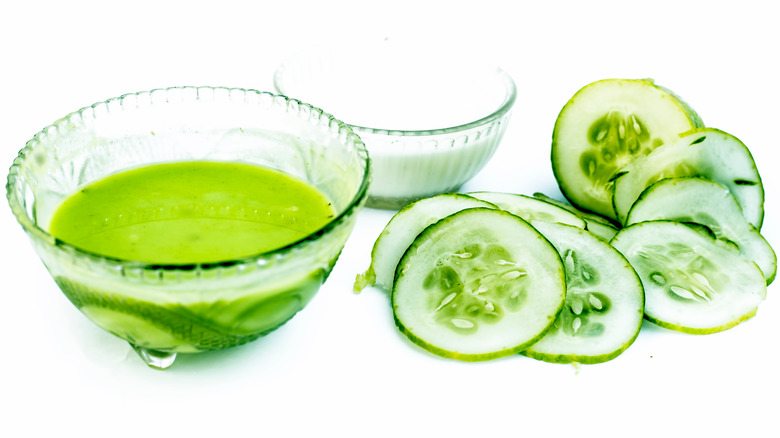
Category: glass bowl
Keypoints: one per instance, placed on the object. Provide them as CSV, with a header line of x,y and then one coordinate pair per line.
x,y
430,120
162,310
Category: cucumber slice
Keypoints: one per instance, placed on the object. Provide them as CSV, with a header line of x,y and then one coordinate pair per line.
x,y
708,203
604,301
693,282
530,209
605,126
597,225
400,232
705,152
477,285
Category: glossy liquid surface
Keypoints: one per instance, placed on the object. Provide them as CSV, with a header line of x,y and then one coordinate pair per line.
x,y
190,212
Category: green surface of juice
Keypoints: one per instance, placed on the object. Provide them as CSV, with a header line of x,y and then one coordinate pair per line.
x,y
190,212
174,216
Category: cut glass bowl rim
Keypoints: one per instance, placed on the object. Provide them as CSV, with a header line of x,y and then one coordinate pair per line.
x,y
259,259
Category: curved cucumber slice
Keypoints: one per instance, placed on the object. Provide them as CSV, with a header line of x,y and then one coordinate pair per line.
x,y
604,301
693,282
605,126
705,152
708,203
400,232
598,225
477,285
530,209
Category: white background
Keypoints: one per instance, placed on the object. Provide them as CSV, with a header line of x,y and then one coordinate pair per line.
x,y
340,368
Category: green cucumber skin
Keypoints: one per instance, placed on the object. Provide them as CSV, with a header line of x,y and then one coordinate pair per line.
x,y
448,354
698,331
469,357
578,359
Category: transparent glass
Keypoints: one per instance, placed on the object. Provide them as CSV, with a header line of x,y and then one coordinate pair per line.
x,y
188,308
430,120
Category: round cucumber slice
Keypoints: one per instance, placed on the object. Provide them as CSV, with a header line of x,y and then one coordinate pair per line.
x,y
604,301
477,285
693,282
401,230
598,225
705,152
605,126
708,203
530,209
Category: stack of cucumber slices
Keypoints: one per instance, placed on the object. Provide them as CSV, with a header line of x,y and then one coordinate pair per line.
x,y
662,224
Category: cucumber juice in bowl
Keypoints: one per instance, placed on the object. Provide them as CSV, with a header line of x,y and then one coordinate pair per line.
x,y
190,219
430,119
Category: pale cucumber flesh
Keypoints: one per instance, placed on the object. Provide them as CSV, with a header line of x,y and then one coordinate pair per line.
x,y
531,209
598,225
401,231
710,204
604,305
693,282
706,152
477,285
604,127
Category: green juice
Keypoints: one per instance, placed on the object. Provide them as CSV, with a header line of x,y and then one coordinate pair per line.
x,y
182,218
190,212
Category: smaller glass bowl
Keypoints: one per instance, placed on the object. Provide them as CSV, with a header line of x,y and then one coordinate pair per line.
x,y
430,121
162,310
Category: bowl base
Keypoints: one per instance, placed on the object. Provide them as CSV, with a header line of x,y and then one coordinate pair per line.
x,y
156,359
